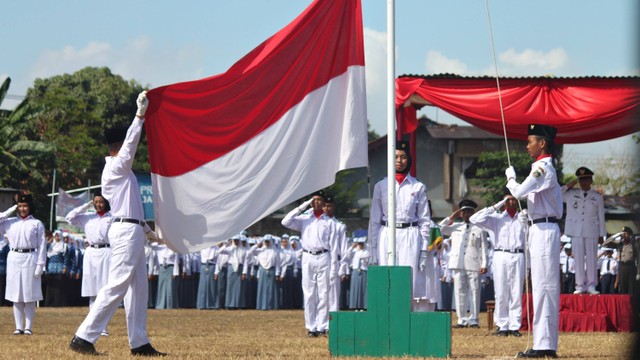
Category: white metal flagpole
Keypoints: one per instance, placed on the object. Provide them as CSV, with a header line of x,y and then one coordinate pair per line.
x,y
391,133
53,189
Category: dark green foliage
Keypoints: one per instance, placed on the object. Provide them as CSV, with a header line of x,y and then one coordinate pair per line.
x,y
490,177
67,115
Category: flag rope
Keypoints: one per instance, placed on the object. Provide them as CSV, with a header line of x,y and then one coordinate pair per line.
x,y
506,144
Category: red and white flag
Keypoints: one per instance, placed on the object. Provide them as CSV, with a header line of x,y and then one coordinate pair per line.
x,y
228,150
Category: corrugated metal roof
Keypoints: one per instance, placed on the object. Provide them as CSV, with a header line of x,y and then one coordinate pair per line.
x,y
456,76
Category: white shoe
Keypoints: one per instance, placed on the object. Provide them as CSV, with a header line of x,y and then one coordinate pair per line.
x,y
593,291
104,333
578,292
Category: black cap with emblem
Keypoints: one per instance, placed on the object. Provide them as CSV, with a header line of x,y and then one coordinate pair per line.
x,y
584,172
545,131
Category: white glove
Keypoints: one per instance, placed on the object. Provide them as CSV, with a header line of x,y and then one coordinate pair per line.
x,y
153,237
423,260
523,217
638,277
333,274
38,272
87,205
305,205
499,205
510,172
142,103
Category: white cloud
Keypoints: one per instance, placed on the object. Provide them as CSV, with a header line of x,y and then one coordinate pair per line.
x,y
139,59
533,62
438,63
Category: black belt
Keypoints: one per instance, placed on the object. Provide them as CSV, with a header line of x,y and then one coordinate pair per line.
x,y
128,220
99,246
316,252
164,266
401,225
23,250
551,219
516,251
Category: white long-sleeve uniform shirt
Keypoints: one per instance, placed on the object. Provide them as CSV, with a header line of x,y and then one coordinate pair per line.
x,y
94,225
119,183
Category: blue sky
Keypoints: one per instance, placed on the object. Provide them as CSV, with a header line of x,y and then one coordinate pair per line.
x,y
161,42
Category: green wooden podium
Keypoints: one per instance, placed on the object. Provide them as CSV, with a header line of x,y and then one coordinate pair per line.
x,y
388,327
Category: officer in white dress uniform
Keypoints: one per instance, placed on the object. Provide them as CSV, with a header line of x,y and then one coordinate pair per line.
x,y
413,225
319,260
95,267
467,261
128,271
25,262
508,261
584,224
544,205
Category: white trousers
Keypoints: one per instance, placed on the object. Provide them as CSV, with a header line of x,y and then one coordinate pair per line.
x,y
315,290
466,286
585,250
334,294
544,248
128,281
508,279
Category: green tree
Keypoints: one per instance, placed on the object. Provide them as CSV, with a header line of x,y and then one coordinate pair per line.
x,y
371,134
69,113
344,194
20,157
490,178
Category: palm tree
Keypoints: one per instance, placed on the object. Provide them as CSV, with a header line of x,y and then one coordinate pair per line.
x,y
18,155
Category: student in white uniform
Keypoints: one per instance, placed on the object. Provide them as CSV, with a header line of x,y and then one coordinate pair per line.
x,y
568,270
25,262
287,266
128,271
268,256
608,271
413,225
508,261
319,260
544,206
341,232
97,256
358,258
584,223
467,261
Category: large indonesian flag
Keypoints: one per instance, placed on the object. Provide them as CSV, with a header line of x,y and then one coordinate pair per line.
x,y
279,124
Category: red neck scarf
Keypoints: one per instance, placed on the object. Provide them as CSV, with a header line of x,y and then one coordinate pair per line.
x,y
511,212
318,213
542,157
100,213
24,217
400,177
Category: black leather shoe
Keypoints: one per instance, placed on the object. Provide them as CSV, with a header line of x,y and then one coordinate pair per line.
x,y
515,333
459,326
537,354
146,350
82,346
501,333
474,326
312,334
323,333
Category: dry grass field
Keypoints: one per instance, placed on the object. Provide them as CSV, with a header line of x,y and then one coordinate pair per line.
x,y
251,334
